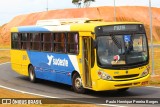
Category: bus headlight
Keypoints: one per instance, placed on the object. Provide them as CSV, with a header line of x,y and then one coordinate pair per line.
x,y
104,75
144,73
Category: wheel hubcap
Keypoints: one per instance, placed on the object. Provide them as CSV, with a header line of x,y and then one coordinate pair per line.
x,y
31,74
78,83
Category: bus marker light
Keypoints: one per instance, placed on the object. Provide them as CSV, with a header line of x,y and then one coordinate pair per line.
x,y
144,83
68,73
99,73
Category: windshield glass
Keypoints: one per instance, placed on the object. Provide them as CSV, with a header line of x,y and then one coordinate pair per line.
x,y
122,49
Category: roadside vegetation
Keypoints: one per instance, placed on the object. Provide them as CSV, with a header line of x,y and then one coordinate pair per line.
x,y
4,56
155,79
4,46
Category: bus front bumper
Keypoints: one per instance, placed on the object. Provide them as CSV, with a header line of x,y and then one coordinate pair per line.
x,y
102,85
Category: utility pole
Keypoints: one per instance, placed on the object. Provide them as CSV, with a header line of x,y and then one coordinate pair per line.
x,y
114,10
151,36
47,6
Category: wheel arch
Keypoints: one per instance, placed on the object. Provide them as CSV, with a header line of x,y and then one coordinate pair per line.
x,y
74,72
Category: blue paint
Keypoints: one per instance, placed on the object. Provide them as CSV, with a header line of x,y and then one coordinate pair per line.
x,y
55,69
32,29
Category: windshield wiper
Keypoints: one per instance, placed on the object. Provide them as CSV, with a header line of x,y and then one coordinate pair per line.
x,y
116,42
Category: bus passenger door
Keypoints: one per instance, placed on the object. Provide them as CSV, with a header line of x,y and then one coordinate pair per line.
x,y
86,58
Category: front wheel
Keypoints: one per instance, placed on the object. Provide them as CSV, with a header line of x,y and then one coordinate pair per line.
x,y
77,84
32,75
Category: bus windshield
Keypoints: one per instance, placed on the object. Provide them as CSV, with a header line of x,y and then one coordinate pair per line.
x,y
121,50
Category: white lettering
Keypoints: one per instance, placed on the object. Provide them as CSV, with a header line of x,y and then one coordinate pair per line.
x,y
50,59
122,27
57,61
34,102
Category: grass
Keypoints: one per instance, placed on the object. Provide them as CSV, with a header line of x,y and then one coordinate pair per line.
x,y
4,46
4,56
156,60
155,80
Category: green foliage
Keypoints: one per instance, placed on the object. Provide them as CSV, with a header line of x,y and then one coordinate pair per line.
x,y
86,3
89,1
75,1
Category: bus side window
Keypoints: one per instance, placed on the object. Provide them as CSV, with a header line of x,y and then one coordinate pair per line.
x,y
28,41
59,42
15,41
23,41
72,43
46,41
35,41
19,41
62,42
55,42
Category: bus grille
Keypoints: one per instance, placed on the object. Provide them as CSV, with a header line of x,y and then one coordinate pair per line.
x,y
126,76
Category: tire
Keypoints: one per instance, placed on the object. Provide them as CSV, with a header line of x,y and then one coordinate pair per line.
x,y
123,89
77,84
32,75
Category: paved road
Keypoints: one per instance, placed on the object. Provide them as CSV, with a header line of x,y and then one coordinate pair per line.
x,y
11,79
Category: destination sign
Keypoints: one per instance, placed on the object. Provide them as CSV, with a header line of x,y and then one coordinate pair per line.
x,y
117,28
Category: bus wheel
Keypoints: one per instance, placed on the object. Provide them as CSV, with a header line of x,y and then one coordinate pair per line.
x,y
123,89
32,75
77,84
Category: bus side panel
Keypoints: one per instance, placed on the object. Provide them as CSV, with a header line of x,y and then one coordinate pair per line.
x,y
25,62
16,58
20,61
52,66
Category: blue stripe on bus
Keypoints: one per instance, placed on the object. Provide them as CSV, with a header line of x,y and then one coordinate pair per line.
x,y
52,66
32,29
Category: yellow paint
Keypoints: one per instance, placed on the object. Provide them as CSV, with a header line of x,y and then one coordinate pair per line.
x,y
20,61
85,27
102,85
14,29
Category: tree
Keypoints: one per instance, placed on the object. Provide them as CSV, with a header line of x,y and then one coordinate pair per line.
x,y
84,3
87,3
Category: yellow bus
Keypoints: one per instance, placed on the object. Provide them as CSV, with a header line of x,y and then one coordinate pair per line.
x,y
83,53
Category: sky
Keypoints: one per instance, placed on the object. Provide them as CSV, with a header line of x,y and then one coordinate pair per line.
x,y
11,8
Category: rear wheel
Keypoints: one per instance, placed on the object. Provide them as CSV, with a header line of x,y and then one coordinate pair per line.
x,y
32,75
77,84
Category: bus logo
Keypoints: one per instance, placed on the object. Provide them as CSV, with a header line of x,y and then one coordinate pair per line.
x,y
57,61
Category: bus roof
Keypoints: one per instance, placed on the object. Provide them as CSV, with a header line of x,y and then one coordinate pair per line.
x,y
88,26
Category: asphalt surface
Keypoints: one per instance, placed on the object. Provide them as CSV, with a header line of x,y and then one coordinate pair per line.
x,y
9,78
